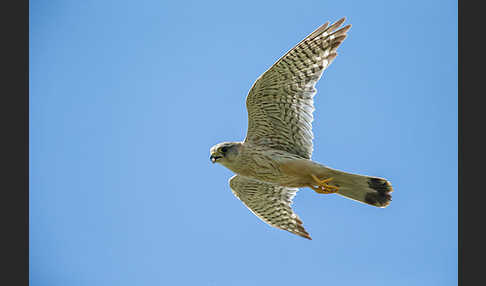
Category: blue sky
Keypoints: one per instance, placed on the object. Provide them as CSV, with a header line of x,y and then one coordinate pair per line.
x,y
127,97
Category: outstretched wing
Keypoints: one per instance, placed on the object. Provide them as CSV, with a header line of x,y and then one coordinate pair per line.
x,y
271,203
280,102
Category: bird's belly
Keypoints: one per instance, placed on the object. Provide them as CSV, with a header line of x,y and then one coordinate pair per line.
x,y
283,180
283,173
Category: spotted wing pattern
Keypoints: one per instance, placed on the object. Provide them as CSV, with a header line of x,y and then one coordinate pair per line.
x,y
280,102
271,203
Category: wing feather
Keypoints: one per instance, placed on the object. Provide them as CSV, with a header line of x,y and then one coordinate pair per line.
x,y
269,202
280,103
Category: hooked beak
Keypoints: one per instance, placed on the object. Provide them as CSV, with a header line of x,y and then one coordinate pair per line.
x,y
214,158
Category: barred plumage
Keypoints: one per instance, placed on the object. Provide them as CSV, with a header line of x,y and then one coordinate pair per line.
x,y
280,103
275,158
270,202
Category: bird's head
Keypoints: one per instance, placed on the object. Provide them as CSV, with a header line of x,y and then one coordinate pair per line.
x,y
224,153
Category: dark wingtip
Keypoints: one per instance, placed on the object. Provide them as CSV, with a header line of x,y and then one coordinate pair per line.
x,y
301,231
381,198
305,235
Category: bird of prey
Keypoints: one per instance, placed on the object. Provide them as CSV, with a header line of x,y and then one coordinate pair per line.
x,y
274,160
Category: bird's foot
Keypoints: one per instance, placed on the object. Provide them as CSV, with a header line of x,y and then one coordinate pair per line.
x,y
323,187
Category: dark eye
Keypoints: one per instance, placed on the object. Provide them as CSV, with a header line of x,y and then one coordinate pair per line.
x,y
224,149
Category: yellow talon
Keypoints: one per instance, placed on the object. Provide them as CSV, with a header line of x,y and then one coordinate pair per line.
x,y
323,187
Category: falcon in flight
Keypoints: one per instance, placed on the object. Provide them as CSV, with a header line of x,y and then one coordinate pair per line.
x,y
275,158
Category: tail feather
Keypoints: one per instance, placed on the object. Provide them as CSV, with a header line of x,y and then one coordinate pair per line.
x,y
369,190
